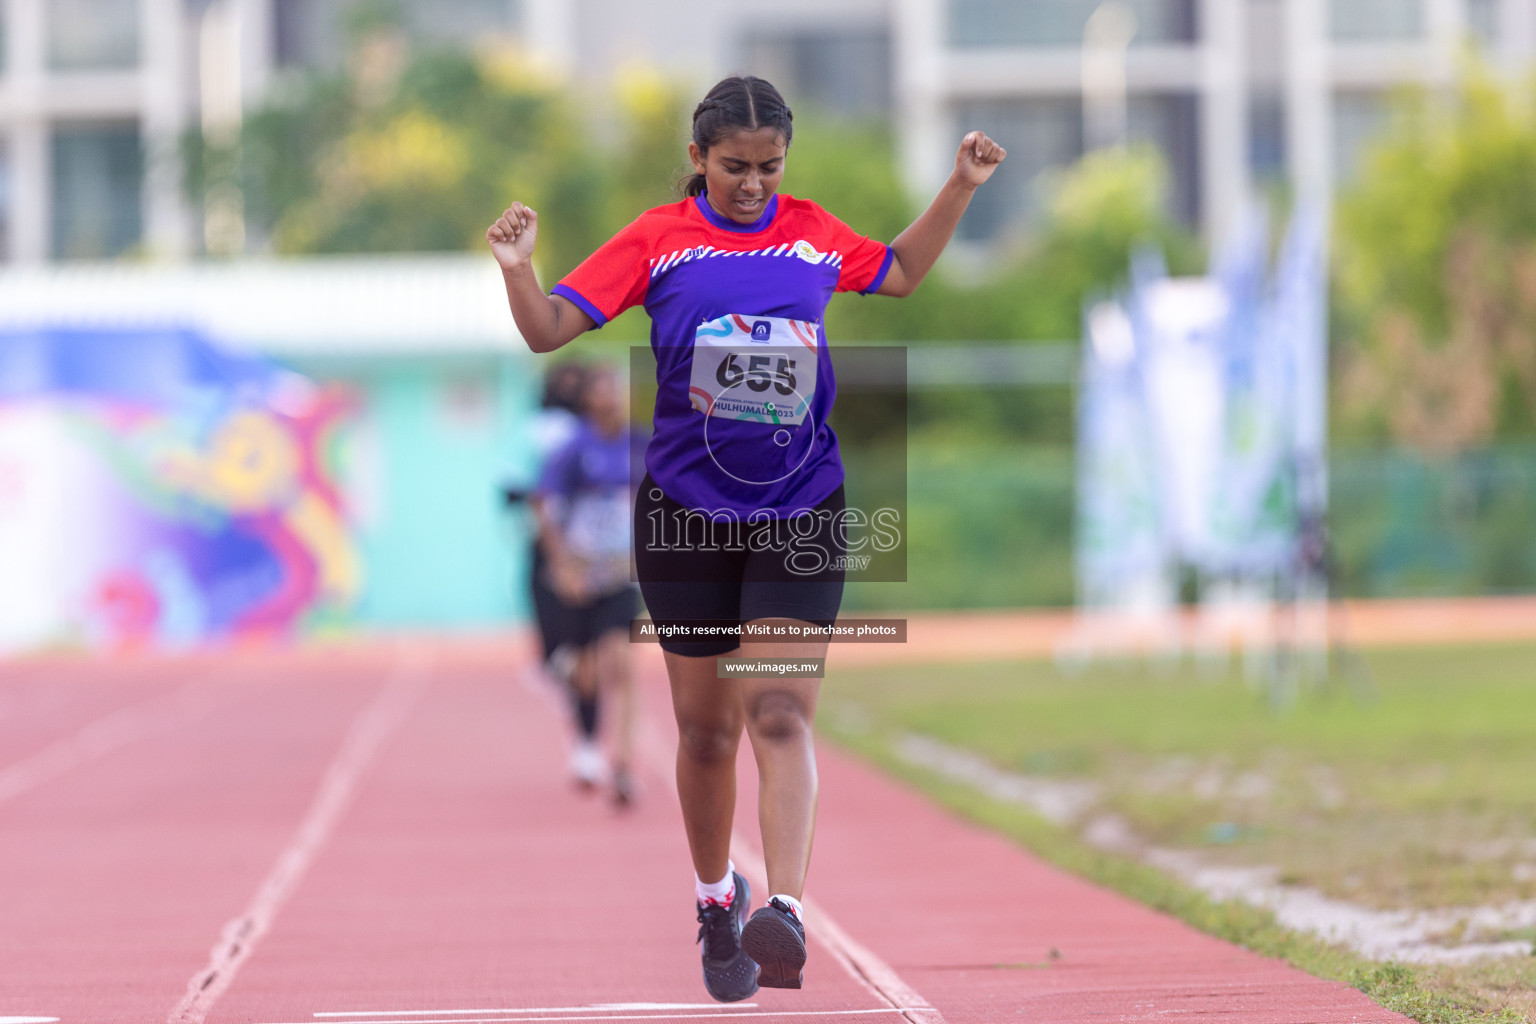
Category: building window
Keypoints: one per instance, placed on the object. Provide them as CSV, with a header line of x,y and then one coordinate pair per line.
x,y
314,33
843,71
1358,118
981,23
305,33
98,179
1266,136
1375,21
1043,134
463,21
1483,21
1171,122
92,35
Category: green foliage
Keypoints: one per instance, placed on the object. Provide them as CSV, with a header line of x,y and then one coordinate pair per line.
x,y
1398,988
1408,526
1435,270
406,152
1006,544
851,169
1101,209
1447,162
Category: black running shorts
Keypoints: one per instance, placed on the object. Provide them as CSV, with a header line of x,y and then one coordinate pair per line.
x,y
694,568
578,625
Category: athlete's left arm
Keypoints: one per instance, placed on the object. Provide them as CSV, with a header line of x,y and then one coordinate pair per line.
x,y
916,249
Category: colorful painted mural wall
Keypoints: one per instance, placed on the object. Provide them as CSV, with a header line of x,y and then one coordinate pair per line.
x,y
156,489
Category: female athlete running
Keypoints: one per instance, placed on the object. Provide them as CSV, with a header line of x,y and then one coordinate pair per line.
x,y
739,518
582,504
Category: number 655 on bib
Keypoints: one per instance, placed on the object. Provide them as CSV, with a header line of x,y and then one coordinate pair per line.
x,y
760,369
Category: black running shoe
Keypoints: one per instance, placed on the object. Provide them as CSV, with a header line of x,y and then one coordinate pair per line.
x,y
775,938
729,974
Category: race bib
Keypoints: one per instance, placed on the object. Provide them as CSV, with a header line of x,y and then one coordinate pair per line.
x,y
597,536
761,369
598,525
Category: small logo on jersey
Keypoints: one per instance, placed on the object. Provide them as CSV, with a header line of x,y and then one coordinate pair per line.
x,y
806,251
761,331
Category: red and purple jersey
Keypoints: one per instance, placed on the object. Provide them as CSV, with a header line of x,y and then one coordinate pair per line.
x,y
744,379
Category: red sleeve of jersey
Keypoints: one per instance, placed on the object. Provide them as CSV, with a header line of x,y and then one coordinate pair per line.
x,y
865,261
612,279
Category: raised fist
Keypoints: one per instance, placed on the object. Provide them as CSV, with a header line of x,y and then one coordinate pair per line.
x,y
513,235
978,158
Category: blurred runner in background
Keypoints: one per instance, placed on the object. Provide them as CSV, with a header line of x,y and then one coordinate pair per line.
x,y
583,503
554,426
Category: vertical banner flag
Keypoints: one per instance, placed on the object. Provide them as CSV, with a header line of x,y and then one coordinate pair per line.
x,y
1301,314
1252,517
1177,321
1202,415
1120,546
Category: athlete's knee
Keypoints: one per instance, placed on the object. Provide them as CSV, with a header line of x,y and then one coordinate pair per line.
x,y
708,742
779,716
583,678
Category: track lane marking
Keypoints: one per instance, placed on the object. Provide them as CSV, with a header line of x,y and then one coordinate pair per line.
x,y
112,731
635,1016
607,1007
375,724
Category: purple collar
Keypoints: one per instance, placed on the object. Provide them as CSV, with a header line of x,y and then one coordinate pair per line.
x,y
726,224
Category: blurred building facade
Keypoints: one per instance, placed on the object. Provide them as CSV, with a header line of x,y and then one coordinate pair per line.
x,y
1235,93
94,94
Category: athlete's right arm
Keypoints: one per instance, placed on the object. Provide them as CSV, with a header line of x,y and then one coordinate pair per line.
x,y
545,321
563,571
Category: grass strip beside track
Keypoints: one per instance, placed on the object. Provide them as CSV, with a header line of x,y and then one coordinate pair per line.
x,y
1454,705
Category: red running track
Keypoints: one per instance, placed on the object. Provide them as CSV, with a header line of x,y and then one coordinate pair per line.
x,y
388,835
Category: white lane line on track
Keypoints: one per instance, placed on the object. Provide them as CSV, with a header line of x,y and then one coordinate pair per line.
x,y
161,713
862,964
606,1007
636,1016
370,729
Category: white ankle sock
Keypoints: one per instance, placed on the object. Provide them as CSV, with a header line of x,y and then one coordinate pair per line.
x,y
720,893
790,902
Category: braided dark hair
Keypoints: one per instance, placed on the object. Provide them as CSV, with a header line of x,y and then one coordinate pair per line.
x,y
738,103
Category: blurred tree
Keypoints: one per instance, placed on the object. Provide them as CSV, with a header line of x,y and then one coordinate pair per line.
x,y
1100,209
407,152
1436,271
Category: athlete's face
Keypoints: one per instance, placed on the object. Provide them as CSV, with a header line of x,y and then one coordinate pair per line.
x,y
741,172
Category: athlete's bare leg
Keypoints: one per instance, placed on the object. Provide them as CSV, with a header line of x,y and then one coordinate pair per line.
x,y
583,679
779,715
709,722
611,654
